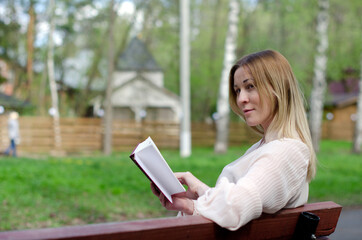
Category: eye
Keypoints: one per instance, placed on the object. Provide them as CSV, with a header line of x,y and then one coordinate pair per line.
x,y
250,86
237,91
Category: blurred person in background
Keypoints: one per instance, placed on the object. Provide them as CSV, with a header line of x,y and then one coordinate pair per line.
x,y
13,133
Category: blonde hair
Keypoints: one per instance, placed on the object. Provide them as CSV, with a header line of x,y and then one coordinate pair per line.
x,y
277,85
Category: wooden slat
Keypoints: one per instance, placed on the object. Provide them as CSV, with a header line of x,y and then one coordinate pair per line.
x,y
269,226
38,132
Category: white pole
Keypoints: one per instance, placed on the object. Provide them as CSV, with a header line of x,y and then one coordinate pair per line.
x,y
185,135
52,83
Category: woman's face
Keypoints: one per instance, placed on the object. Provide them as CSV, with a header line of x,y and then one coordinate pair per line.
x,y
248,100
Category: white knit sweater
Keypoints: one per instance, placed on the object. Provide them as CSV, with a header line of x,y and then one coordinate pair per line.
x,y
267,178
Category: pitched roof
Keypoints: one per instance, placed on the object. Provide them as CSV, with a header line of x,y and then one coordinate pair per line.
x,y
163,90
343,93
136,57
341,100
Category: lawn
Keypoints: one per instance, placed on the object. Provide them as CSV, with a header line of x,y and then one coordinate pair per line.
x,y
51,192
339,175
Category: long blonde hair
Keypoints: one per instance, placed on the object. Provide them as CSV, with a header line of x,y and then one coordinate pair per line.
x,y
277,85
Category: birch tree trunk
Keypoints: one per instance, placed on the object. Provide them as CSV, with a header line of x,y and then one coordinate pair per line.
x,y
319,79
358,129
185,134
108,117
223,110
52,84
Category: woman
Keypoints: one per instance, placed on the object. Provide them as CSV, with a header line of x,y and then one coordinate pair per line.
x,y
275,172
13,133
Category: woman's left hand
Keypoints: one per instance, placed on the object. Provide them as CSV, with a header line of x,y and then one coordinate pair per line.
x,y
180,201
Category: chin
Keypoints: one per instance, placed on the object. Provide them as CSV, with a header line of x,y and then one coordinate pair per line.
x,y
252,124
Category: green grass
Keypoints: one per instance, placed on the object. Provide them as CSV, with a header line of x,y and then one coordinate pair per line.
x,y
51,192
339,175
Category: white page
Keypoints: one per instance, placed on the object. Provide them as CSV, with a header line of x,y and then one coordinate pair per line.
x,y
150,159
143,144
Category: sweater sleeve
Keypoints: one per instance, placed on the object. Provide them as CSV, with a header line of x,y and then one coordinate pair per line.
x,y
274,178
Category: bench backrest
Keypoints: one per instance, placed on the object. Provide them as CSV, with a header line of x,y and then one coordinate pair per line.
x,y
269,226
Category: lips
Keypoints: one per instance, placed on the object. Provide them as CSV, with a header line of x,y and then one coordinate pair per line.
x,y
247,111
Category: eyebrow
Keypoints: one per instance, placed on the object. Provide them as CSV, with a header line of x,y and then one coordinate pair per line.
x,y
244,81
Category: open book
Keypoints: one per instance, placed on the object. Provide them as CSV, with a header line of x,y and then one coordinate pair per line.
x,y
149,159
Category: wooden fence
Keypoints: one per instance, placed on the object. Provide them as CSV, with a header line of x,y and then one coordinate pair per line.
x,y
203,135
85,135
338,131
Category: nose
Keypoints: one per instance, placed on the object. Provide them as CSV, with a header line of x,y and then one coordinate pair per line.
x,y
242,98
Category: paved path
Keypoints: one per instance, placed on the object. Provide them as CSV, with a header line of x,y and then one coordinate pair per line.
x,y
349,225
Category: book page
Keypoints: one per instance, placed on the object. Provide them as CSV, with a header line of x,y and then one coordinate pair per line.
x,y
152,162
143,144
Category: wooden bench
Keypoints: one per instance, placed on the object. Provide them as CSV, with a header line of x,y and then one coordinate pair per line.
x,y
269,226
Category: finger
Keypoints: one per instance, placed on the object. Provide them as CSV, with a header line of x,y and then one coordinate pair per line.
x,y
180,195
181,180
185,177
163,200
155,189
180,175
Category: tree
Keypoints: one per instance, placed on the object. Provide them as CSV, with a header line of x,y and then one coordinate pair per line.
x,y
214,64
207,39
82,25
108,117
223,110
358,129
319,79
185,135
10,42
53,86
85,93
30,49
